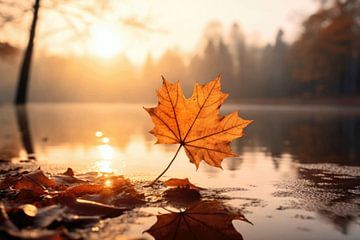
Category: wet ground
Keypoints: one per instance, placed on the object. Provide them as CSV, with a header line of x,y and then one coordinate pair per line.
x,y
297,177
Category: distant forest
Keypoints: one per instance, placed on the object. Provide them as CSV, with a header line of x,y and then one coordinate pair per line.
x,y
324,61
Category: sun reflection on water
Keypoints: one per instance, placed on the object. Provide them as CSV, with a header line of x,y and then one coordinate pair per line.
x,y
106,155
104,166
106,152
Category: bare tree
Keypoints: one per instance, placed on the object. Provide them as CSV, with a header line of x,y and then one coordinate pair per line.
x,y
77,16
13,12
21,93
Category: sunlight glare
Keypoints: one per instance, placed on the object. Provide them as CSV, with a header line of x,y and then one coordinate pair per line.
x,y
106,154
105,40
106,151
99,134
104,166
108,183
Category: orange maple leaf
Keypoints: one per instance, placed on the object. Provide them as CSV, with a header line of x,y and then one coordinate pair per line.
x,y
195,123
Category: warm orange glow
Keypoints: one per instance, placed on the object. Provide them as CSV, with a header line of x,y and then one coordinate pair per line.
x,y
137,148
105,40
105,140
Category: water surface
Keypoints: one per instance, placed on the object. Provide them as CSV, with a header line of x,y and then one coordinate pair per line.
x,y
297,176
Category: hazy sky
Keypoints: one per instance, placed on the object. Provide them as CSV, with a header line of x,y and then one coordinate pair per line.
x,y
180,24
185,20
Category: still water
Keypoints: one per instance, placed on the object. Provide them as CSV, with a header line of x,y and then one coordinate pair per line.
x,y
297,176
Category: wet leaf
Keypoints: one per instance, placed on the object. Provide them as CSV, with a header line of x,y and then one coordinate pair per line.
x,y
113,190
43,207
83,189
27,196
9,180
47,215
75,221
36,181
55,216
181,183
205,220
90,208
196,123
9,231
116,183
23,215
67,180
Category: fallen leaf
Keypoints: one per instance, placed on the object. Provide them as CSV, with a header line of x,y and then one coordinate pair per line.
x,y
45,207
54,216
36,181
181,183
196,123
47,215
23,215
39,177
74,221
209,220
24,196
90,208
66,180
69,172
9,231
83,189
113,190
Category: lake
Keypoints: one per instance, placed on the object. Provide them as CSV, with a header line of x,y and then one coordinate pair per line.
x,y
297,175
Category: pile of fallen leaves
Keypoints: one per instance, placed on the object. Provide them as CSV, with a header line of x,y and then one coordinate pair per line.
x,y
36,205
31,201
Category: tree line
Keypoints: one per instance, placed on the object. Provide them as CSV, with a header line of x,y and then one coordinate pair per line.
x,y
322,62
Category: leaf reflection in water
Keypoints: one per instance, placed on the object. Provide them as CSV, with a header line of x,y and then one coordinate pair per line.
x,y
203,220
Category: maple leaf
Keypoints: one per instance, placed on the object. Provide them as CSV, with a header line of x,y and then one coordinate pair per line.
x,y
195,123
204,220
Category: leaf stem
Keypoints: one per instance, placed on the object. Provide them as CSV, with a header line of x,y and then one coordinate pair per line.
x,y
172,160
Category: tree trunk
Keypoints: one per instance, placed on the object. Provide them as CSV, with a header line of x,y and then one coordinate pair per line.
x,y
23,81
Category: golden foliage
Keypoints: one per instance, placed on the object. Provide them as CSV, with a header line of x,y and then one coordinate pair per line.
x,y
195,123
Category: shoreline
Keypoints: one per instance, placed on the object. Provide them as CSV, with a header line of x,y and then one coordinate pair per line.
x,y
342,102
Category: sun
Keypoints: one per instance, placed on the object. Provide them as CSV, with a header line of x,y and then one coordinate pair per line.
x,y
105,40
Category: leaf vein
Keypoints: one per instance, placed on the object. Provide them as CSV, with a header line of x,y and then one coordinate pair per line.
x,y
215,133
